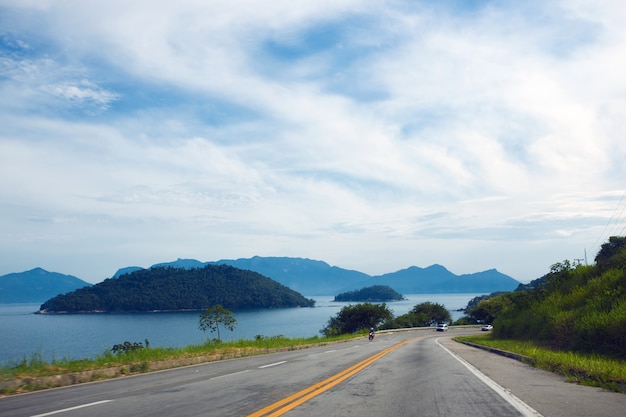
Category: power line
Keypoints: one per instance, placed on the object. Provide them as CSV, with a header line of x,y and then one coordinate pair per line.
x,y
615,220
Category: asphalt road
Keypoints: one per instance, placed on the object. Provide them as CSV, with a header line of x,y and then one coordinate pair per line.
x,y
399,374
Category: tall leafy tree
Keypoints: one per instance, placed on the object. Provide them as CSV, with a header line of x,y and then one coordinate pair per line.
x,y
434,312
214,316
353,318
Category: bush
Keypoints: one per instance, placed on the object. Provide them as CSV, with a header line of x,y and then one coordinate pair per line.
x,y
126,347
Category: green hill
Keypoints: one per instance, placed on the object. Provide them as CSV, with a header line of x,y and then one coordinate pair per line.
x,y
375,293
171,289
573,307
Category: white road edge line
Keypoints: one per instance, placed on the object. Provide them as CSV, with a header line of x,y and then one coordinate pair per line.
x,y
521,406
272,364
71,408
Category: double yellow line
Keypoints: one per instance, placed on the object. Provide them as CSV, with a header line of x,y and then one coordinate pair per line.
x,y
281,407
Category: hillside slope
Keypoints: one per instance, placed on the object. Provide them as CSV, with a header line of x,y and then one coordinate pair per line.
x,y
574,307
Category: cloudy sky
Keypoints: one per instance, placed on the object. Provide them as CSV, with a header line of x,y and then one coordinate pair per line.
x,y
373,135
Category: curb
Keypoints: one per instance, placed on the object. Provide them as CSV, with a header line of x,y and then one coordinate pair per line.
x,y
512,355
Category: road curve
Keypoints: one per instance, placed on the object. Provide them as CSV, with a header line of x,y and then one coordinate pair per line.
x,y
399,374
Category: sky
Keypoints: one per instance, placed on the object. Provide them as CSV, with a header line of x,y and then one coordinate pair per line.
x,y
372,135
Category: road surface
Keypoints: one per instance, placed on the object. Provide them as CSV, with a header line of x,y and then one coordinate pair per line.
x,y
399,374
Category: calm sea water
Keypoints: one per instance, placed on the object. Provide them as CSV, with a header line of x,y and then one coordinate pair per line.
x,y
76,336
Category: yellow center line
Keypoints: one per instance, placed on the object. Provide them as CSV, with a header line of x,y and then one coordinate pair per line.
x,y
288,403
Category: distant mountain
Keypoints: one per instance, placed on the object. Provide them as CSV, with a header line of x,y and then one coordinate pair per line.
x,y
306,276
182,263
171,289
127,270
436,279
36,286
313,277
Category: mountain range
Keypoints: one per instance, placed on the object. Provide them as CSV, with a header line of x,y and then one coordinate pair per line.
x,y
312,277
306,276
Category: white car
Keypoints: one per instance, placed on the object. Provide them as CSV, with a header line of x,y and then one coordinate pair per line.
x,y
486,327
442,327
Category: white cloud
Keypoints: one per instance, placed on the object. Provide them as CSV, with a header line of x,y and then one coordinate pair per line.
x,y
373,136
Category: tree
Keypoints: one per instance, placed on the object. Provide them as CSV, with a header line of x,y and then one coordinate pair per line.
x,y
214,316
434,311
421,315
612,254
353,318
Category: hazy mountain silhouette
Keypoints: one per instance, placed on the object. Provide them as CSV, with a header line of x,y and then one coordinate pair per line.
x,y
311,277
36,286
437,279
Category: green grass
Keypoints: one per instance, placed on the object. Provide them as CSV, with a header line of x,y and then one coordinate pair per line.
x,y
586,369
143,360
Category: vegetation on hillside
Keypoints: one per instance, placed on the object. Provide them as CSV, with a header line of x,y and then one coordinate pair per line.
x,y
170,289
573,308
375,293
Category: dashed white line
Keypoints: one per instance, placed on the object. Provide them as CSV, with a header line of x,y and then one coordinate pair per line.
x,y
272,364
231,374
71,408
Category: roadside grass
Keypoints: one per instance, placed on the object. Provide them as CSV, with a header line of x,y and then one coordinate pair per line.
x,y
585,369
140,360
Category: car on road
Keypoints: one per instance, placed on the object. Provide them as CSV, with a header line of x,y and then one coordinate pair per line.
x,y
442,327
486,327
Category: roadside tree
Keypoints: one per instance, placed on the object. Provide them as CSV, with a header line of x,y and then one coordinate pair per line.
x,y
353,318
214,316
422,315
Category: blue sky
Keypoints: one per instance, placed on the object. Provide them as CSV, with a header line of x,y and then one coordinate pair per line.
x,y
371,135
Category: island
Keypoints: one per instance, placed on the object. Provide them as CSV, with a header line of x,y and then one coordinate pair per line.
x,y
376,293
176,289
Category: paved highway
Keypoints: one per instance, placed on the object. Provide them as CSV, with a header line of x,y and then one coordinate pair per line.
x,y
399,374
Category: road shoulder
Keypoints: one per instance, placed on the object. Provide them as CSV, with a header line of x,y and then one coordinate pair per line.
x,y
546,392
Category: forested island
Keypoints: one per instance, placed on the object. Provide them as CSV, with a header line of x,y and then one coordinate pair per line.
x,y
375,293
172,289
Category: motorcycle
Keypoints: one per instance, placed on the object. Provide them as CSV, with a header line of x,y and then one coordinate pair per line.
x,y
371,337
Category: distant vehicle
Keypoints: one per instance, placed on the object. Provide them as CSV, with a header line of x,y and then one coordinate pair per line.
x,y
442,327
486,327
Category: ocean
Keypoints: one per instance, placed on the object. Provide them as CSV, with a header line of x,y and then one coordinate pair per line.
x,y
80,336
